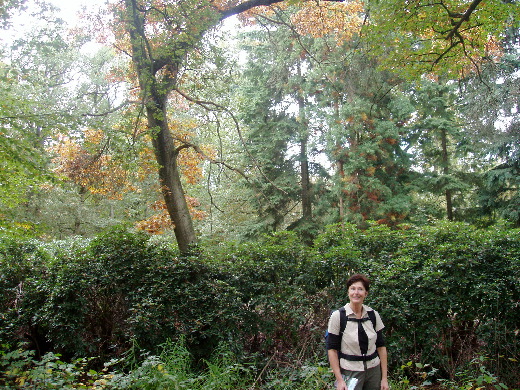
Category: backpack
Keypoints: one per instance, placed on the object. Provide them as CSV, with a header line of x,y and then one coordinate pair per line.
x,y
343,324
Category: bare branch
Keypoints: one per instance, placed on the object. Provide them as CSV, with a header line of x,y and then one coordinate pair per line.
x,y
197,148
212,106
249,4
111,111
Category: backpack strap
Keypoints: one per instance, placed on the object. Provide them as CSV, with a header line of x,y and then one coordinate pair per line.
x,y
342,321
362,358
372,316
342,326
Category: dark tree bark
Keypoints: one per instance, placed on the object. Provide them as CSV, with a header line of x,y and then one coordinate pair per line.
x,y
446,171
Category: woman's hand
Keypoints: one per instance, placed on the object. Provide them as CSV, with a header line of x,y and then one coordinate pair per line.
x,y
383,356
341,385
334,365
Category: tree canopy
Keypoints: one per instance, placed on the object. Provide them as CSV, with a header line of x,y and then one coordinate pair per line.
x,y
323,112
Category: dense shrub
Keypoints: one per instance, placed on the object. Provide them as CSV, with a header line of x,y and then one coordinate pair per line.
x,y
272,277
448,293
23,269
96,299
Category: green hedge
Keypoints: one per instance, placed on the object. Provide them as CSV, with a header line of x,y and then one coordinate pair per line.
x,y
109,293
447,293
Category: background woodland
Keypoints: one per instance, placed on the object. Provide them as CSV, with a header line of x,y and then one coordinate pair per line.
x,y
284,124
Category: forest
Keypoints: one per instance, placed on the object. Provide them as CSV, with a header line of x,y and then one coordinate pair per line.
x,y
185,186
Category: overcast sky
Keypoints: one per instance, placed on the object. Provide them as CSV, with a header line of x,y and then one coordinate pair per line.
x,y
70,8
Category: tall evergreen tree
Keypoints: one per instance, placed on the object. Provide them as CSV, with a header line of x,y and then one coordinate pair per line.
x,y
364,114
272,112
440,145
490,103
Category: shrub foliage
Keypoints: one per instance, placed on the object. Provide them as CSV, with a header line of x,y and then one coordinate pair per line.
x,y
447,294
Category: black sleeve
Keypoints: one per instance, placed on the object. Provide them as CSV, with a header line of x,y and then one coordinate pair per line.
x,y
333,341
380,342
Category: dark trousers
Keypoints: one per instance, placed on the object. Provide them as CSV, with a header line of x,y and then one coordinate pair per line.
x,y
370,379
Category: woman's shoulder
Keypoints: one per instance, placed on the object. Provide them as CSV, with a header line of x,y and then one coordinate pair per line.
x,y
377,317
368,308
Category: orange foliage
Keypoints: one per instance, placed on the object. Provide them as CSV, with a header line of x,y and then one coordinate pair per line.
x,y
88,166
161,221
223,5
191,166
492,50
341,19
147,165
392,219
158,222
190,158
371,171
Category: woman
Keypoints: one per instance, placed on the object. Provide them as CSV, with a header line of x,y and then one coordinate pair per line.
x,y
358,355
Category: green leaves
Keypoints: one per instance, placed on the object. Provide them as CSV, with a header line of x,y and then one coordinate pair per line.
x,y
446,38
445,292
48,88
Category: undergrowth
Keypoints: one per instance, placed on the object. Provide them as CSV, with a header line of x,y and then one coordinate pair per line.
x,y
174,369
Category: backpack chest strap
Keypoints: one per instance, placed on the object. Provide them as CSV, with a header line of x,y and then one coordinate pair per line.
x,y
358,358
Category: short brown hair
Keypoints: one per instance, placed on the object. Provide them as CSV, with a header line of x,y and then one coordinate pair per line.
x,y
359,278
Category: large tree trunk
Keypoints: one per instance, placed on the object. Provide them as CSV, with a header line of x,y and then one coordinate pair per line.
x,y
341,202
306,192
155,89
306,187
306,182
171,186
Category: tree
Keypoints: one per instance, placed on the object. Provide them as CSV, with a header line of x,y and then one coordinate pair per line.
x,y
359,115
33,81
161,35
51,89
461,35
440,144
273,110
489,105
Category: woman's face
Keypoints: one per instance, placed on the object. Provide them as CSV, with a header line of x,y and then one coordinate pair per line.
x,y
357,292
